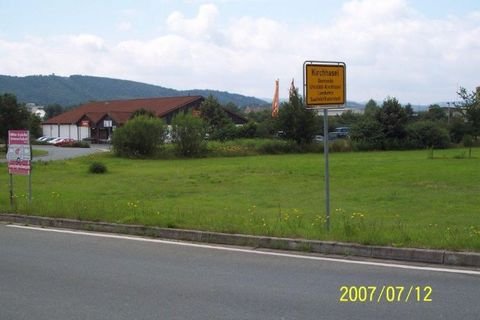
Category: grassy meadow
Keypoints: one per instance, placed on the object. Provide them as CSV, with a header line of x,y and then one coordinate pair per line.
x,y
404,198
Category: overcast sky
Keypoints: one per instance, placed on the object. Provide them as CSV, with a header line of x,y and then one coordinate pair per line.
x,y
419,51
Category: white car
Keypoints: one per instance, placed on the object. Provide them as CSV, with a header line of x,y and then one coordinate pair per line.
x,y
56,140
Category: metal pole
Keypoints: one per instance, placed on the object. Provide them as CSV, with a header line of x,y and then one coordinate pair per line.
x,y
327,173
30,187
30,176
11,191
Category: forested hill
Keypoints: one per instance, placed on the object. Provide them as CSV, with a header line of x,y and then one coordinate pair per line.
x,y
75,90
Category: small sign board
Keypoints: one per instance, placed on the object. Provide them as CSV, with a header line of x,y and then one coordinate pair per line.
x,y
18,155
324,84
19,167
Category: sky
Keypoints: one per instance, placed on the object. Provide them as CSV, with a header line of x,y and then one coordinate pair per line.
x,y
419,51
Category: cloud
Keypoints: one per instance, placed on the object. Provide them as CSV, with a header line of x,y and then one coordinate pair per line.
x,y
195,27
87,42
389,49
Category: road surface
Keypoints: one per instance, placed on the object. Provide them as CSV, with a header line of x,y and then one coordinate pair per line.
x,y
49,274
58,153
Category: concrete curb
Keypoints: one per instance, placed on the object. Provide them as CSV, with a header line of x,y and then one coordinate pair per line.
x,y
450,258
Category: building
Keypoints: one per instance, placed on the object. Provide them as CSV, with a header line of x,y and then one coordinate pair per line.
x,y
97,120
36,110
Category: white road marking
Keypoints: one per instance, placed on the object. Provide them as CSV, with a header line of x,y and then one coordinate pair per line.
x,y
250,251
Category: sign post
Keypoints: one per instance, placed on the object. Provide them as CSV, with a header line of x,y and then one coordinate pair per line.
x,y
324,88
19,157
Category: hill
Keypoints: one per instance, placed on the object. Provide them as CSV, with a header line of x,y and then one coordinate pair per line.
x,y
77,89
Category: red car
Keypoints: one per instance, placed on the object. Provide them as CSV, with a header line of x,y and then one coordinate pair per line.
x,y
64,142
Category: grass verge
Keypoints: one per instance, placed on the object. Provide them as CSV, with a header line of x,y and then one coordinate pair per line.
x,y
383,198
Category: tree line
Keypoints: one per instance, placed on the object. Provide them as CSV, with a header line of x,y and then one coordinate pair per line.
x,y
388,126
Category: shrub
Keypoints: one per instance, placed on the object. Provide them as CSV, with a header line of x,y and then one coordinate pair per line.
x,y
428,134
97,168
139,137
188,133
367,134
76,144
279,147
341,145
227,132
248,130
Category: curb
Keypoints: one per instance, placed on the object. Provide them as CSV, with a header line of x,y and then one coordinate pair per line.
x,y
443,257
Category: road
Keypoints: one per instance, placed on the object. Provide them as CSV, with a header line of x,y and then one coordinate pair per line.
x,y
45,274
57,153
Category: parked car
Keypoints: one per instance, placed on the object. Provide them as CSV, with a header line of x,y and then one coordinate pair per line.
x,y
55,140
342,132
64,142
48,139
42,138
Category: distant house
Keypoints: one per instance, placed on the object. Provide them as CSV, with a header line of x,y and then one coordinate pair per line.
x,y
36,110
97,120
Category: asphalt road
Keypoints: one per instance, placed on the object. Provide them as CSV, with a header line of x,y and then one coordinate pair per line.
x,y
57,153
53,275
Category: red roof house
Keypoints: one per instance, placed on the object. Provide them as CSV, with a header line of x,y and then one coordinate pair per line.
x,y
96,120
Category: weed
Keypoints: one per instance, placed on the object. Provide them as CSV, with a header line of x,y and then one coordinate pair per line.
x,y
97,168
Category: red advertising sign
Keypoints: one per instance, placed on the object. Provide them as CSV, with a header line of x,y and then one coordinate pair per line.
x,y
19,155
18,137
20,167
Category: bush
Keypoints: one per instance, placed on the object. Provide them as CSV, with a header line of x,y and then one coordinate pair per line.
x,y
97,168
140,137
188,133
248,130
427,134
340,145
280,147
227,132
367,134
76,144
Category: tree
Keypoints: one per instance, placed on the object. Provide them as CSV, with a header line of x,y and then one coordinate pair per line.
x,y
296,121
435,113
458,129
409,111
139,137
234,108
35,125
53,110
393,119
12,115
188,134
215,117
468,143
470,107
367,134
371,108
428,134
143,112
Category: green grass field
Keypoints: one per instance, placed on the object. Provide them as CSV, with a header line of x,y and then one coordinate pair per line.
x,y
386,198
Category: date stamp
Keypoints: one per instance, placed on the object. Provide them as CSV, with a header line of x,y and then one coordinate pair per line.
x,y
385,293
